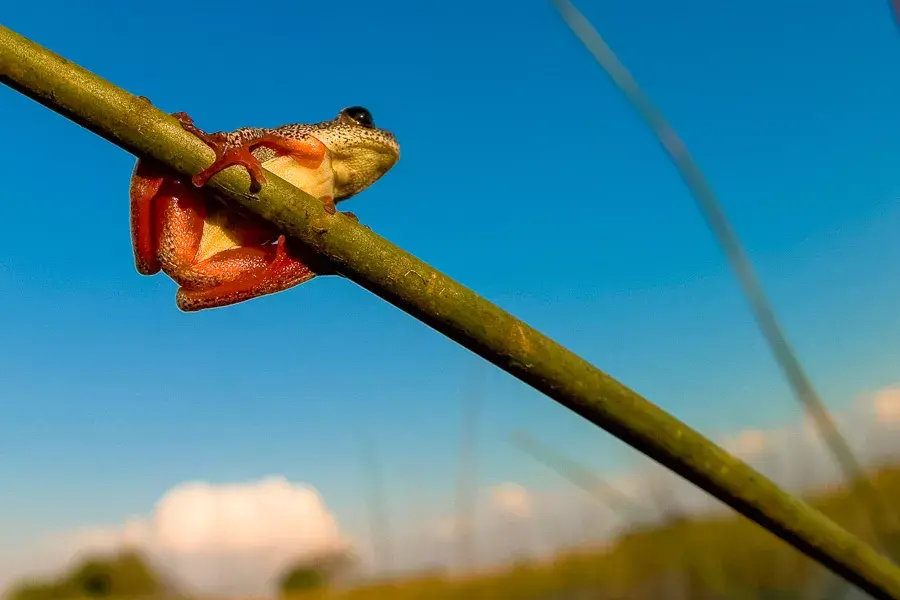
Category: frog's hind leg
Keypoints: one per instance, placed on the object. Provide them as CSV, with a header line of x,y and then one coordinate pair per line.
x,y
218,261
244,273
146,182
169,220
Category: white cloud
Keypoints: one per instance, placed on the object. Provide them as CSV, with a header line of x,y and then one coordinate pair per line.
x,y
234,538
269,515
512,500
445,528
749,442
886,404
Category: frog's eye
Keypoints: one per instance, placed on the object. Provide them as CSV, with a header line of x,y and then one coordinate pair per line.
x,y
360,115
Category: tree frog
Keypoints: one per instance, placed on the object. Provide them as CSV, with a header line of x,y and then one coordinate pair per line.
x,y
219,254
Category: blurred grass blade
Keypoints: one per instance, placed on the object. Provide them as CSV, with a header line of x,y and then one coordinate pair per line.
x,y
616,501
467,482
376,506
442,303
715,217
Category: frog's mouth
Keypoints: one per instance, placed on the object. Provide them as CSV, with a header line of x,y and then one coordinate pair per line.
x,y
347,141
356,166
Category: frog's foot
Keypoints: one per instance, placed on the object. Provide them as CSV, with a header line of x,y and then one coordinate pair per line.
x,y
330,208
354,217
237,149
328,202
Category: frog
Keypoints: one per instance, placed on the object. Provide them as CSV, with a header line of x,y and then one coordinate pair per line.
x,y
220,254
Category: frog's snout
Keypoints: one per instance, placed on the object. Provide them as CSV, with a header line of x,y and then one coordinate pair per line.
x,y
393,147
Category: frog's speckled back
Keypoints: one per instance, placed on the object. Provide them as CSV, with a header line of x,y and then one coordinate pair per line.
x,y
340,135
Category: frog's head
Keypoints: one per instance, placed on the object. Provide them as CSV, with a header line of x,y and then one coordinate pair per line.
x,y
360,152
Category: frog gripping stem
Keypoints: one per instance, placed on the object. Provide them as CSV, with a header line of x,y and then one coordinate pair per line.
x,y
237,149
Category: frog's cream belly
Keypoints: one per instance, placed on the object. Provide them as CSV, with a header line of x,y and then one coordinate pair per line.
x,y
218,235
317,182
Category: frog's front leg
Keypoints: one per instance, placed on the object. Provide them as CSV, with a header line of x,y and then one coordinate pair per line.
x,y
236,148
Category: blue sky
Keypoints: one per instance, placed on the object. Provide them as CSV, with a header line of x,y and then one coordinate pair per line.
x,y
524,174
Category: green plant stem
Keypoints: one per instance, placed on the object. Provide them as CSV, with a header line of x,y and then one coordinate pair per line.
x,y
450,308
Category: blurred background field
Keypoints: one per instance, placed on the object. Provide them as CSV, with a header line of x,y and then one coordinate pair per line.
x,y
668,546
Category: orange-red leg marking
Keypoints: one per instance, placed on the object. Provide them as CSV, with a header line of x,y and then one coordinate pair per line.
x,y
145,184
261,271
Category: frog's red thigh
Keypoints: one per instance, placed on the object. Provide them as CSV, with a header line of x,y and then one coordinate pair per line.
x,y
179,213
245,273
166,221
145,184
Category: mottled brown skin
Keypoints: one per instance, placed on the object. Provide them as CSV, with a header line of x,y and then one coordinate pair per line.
x,y
220,255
